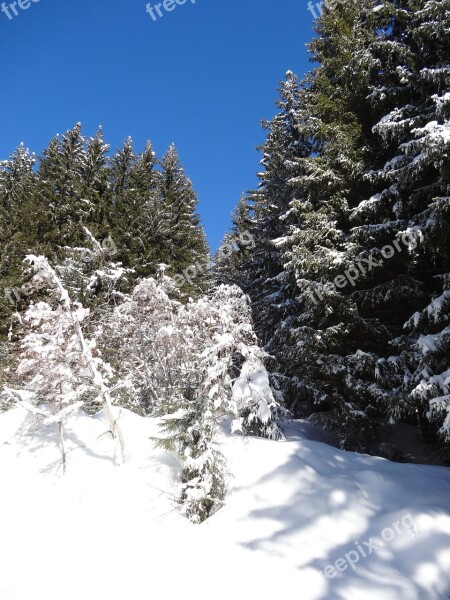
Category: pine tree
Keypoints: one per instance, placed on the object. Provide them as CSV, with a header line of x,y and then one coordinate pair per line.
x,y
120,180
375,182
428,375
412,197
259,268
18,234
143,226
236,249
184,247
327,342
95,192
61,192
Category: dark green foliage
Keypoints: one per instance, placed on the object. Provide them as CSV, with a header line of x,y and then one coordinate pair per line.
x,y
183,242
355,161
107,220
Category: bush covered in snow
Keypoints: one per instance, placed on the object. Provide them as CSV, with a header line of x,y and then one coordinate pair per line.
x,y
192,364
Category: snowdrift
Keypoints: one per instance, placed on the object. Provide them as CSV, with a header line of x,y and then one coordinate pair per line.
x,y
301,518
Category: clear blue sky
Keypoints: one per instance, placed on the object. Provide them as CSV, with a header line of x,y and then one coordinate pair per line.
x,y
202,76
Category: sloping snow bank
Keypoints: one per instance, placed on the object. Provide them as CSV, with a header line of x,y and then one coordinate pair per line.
x,y
296,511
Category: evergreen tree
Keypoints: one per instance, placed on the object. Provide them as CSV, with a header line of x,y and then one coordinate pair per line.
x,y
235,250
323,151
231,382
334,344
412,197
375,113
60,192
142,227
183,243
259,268
95,192
18,234
120,179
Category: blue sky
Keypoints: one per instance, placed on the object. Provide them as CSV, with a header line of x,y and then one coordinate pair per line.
x,y
202,76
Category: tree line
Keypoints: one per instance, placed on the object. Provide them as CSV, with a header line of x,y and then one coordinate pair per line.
x,y
142,210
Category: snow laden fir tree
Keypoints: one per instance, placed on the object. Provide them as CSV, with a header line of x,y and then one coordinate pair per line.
x,y
57,366
356,158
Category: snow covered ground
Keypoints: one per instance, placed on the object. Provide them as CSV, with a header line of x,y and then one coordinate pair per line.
x,y
302,518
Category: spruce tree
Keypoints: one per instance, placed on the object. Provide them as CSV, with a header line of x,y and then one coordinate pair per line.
x,y
333,343
374,186
18,234
261,217
143,225
412,188
183,244
61,192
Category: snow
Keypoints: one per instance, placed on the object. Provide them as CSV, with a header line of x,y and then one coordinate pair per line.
x,y
369,204
438,305
253,385
394,162
293,509
430,343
